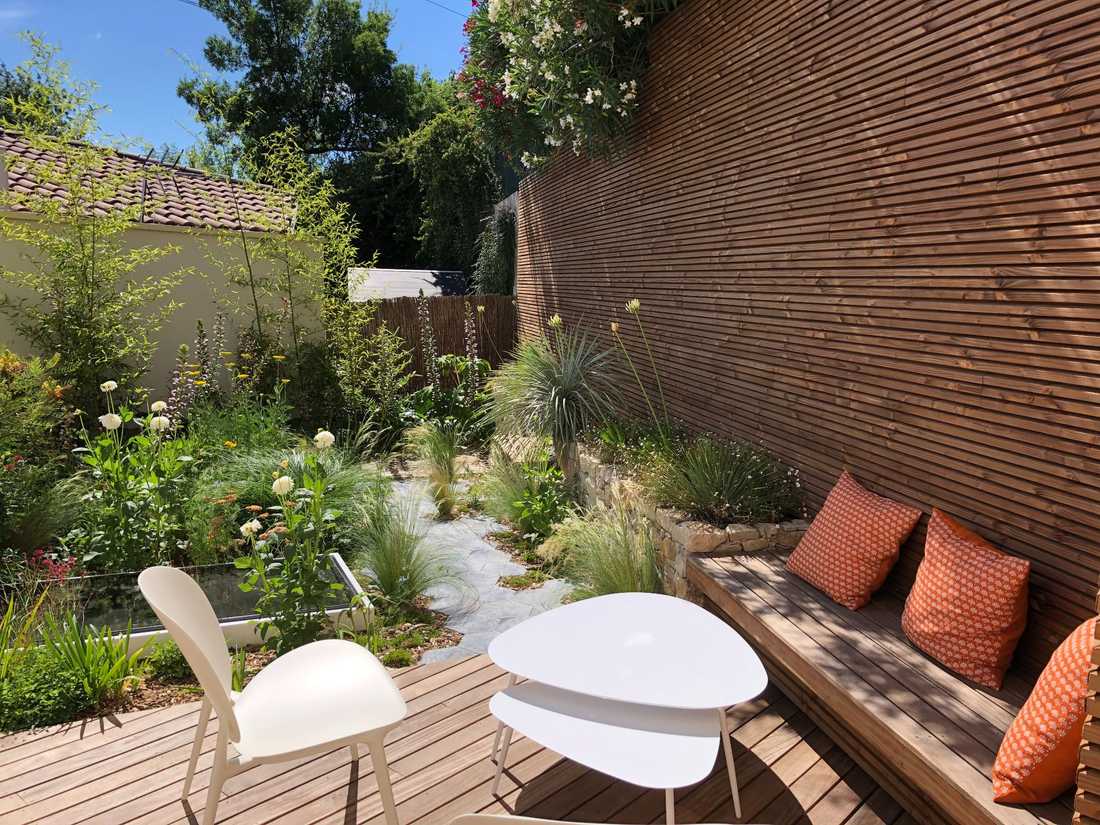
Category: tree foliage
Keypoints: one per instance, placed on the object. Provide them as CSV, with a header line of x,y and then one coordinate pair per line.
x,y
317,66
83,292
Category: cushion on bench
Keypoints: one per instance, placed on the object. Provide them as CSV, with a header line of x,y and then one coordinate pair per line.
x,y
925,734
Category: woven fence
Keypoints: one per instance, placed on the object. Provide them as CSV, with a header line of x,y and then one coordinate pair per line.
x,y
496,326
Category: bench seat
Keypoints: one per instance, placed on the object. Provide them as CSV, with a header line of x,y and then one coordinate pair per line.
x,y
926,735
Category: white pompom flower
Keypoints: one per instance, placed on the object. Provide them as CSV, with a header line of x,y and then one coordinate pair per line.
x,y
110,421
282,486
323,440
159,423
159,406
251,528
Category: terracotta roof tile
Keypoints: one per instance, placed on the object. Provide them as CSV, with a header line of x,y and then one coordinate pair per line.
x,y
173,195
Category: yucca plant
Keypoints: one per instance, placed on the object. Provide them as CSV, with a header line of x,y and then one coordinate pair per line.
x,y
397,566
556,388
436,446
609,551
102,663
724,482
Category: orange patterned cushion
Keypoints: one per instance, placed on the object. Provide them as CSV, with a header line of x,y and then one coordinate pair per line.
x,y
968,605
852,544
1038,757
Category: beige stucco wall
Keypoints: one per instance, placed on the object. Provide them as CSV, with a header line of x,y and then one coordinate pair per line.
x,y
202,253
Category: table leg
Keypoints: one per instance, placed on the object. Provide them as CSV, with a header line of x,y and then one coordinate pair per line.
x,y
500,725
502,759
670,807
727,748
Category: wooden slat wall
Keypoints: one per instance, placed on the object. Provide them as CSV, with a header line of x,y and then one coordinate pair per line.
x,y
866,232
496,326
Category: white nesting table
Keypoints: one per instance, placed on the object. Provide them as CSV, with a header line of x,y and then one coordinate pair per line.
x,y
634,685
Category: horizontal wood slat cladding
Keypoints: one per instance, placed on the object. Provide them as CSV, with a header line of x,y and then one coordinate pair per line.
x,y
865,233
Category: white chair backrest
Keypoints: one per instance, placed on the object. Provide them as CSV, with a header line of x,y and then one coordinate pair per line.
x,y
186,614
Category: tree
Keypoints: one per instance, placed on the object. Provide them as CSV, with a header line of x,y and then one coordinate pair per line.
x,y
84,293
459,184
319,67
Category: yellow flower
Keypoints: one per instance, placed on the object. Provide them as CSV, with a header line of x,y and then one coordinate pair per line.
x,y
230,443
480,308
199,383
284,380
246,356
555,321
633,305
225,353
278,357
284,463
242,375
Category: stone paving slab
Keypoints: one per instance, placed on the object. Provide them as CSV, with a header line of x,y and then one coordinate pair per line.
x,y
476,606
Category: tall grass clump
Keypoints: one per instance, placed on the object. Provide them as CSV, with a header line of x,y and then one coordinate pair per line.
x,y
398,567
608,551
555,387
436,446
724,482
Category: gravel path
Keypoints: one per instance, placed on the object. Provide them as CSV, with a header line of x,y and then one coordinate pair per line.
x,y
476,605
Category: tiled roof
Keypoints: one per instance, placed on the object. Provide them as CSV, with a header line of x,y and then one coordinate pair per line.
x,y
169,195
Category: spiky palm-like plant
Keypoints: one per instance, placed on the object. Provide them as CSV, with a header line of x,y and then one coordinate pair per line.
x,y
554,388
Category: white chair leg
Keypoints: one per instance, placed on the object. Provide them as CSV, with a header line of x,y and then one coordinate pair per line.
x,y
502,758
196,748
670,807
382,775
217,775
731,769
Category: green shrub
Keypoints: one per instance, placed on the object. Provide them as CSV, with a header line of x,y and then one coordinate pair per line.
x,y
33,412
398,657
635,446
167,663
245,423
397,566
529,494
495,267
723,482
553,388
102,664
608,551
41,691
242,478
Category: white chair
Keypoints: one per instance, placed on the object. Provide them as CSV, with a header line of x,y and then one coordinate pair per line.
x,y
322,696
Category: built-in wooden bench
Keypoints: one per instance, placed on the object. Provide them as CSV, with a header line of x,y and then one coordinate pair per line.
x,y
926,735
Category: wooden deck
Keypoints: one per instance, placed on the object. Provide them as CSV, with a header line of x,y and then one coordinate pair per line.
x,y
130,770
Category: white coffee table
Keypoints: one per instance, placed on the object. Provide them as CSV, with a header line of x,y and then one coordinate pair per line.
x,y
635,685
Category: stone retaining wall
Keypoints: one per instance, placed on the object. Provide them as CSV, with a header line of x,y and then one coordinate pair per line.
x,y
679,537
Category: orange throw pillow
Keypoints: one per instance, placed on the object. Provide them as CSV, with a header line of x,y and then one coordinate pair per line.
x,y
968,605
852,543
1037,760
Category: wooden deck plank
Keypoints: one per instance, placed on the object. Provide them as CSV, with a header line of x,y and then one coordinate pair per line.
x,y
131,774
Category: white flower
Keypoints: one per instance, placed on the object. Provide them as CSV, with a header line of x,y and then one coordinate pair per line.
x,y
282,485
110,421
159,406
108,386
323,440
251,528
159,423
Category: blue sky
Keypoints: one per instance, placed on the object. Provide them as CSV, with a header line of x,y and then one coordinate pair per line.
x,y
135,49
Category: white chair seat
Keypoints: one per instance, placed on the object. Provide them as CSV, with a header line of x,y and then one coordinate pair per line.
x,y
350,694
